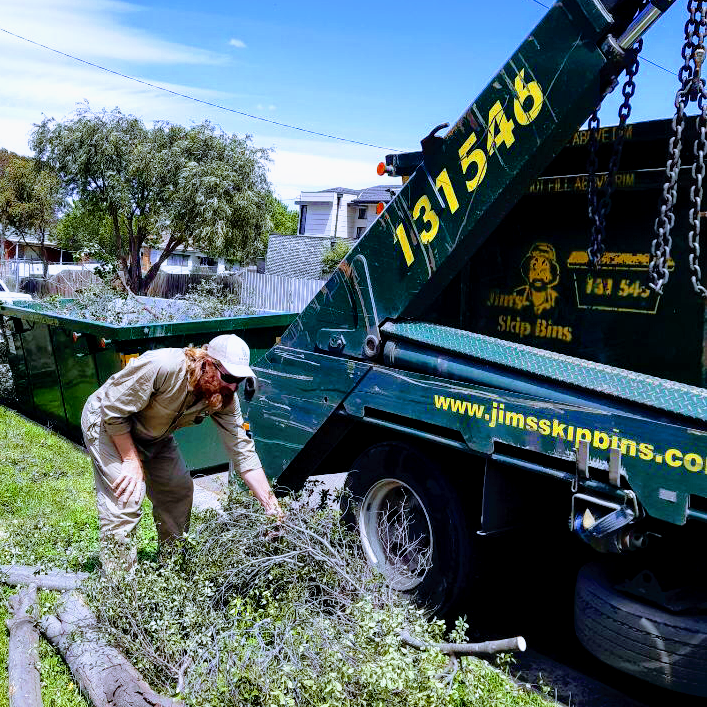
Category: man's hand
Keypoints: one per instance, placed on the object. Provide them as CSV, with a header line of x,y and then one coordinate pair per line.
x,y
130,485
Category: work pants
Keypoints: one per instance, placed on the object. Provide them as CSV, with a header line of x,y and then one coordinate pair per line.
x,y
168,485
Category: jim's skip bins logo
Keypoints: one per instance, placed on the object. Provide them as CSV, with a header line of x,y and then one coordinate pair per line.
x,y
498,417
535,300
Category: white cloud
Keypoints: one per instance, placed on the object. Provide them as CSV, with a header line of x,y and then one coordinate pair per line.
x,y
92,29
238,43
308,165
36,82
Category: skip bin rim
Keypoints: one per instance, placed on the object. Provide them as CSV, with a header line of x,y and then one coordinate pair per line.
x,y
127,332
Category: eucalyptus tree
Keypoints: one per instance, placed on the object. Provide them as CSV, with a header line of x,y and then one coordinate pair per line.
x,y
165,186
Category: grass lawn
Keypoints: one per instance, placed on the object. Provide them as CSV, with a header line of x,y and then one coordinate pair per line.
x,y
47,516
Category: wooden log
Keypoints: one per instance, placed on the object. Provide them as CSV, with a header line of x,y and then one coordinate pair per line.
x,y
102,672
16,575
485,648
23,651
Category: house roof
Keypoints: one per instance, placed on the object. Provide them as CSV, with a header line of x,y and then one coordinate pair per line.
x,y
345,190
372,195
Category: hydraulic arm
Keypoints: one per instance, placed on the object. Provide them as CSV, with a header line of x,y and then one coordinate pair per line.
x,y
466,183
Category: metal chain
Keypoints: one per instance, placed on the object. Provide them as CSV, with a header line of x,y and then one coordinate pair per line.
x,y
692,87
698,167
598,212
592,197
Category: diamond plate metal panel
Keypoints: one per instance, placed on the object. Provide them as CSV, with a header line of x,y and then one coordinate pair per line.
x,y
659,393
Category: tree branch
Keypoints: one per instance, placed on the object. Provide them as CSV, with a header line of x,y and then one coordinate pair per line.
x,y
504,645
171,245
103,673
17,575
23,650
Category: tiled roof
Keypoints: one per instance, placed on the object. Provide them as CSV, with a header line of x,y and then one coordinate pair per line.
x,y
345,190
372,195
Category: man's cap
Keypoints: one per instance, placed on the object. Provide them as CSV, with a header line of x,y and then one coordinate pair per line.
x,y
232,353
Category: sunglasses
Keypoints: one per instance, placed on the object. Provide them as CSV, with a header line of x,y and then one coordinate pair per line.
x,y
227,377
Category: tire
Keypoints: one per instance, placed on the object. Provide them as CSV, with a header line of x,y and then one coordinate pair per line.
x,y
411,524
655,645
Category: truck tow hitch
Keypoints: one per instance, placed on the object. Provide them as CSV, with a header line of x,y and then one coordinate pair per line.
x,y
613,531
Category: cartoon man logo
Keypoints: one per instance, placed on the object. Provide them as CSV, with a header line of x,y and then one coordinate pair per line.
x,y
541,273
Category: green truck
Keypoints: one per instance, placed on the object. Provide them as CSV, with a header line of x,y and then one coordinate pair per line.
x,y
479,377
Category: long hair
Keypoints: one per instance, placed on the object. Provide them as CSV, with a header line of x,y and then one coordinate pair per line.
x,y
203,379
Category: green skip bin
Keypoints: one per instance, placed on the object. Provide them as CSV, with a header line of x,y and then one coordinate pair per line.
x,y
57,361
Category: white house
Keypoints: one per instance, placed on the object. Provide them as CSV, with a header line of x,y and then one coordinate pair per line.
x,y
339,212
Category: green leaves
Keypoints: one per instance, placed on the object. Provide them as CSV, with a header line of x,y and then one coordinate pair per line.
x,y
195,187
31,196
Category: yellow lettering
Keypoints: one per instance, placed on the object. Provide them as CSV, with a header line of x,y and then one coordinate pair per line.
x,y
673,457
601,440
424,208
402,238
445,183
524,113
477,157
582,435
645,451
693,462
500,129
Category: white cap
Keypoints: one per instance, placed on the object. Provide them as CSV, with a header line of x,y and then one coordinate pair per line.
x,y
232,353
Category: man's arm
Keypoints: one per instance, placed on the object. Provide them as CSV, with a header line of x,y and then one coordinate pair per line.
x,y
259,486
241,450
130,484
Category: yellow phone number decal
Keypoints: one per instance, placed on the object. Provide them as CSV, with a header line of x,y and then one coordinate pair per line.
x,y
473,160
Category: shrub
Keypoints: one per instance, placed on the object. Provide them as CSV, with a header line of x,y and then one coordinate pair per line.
x,y
334,255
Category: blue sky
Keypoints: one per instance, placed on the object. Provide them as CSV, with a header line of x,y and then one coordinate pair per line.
x,y
380,73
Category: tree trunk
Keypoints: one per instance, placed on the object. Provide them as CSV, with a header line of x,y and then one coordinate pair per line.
x,y
102,672
23,651
43,256
15,575
151,274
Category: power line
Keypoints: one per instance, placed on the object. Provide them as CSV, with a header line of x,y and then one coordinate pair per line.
x,y
197,100
643,58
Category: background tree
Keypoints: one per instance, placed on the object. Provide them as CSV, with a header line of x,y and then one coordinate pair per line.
x,y
88,231
166,186
31,196
284,219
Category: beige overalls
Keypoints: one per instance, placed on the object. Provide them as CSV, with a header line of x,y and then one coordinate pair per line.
x,y
150,398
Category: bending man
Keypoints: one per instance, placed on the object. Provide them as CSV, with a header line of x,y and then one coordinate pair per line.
x,y
128,424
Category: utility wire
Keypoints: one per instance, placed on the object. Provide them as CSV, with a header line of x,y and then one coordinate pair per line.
x,y
197,100
643,58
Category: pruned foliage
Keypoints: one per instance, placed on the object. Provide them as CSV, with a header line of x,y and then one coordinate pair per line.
x,y
106,301
248,612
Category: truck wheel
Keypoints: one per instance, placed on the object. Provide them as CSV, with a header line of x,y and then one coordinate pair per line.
x,y
655,645
411,523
